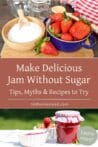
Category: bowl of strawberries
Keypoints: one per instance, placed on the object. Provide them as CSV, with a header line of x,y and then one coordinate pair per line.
x,y
68,34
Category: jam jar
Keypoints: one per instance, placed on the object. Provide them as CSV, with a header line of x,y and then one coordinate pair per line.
x,y
67,125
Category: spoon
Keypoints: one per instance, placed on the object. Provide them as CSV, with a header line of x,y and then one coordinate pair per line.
x,y
22,19
72,16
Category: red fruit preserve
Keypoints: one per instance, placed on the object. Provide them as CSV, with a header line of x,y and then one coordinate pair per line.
x,y
67,125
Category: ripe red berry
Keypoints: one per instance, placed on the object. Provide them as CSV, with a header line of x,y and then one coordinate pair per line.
x,y
66,37
57,17
77,14
47,122
80,30
66,25
56,27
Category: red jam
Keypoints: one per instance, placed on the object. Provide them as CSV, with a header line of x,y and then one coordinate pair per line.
x,y
67,132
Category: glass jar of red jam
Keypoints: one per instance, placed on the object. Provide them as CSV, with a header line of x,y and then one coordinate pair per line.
x,y
67,125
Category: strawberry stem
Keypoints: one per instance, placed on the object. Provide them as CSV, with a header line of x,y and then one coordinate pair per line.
x,y
66,17
52,32
39,44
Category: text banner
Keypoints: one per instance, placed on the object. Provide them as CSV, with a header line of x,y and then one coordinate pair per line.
x,y
48,83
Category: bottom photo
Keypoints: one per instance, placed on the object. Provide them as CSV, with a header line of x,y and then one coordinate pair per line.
x,y
45,127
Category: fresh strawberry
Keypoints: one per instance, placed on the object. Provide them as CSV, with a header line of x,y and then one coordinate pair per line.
x,y
67,37
77,14
57,17
47,122
66,25
80,30
56,28
46,47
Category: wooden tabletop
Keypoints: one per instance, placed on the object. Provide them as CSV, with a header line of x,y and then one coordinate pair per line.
x,y
11,53
5,16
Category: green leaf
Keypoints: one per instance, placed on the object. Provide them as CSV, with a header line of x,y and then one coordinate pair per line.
x,y
52,32
66,17
39,44
77,142
46,39
58,35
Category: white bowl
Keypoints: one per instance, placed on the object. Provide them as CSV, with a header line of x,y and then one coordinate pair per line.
x,y
22,46
33,138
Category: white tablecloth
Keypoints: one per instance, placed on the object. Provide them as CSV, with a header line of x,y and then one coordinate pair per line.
x,y
9,138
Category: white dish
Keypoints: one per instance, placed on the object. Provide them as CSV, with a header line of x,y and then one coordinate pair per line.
x,y
33,138
26,33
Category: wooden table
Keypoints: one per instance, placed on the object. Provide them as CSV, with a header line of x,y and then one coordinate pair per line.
x,y
5,16
10,53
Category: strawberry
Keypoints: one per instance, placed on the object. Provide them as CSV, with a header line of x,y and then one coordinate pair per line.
x,y
66,25
46,47
67,37
57,17
49,49
47,122
80,30
77,14
56,28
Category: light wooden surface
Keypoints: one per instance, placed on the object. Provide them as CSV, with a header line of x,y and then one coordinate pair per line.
x,y
10,53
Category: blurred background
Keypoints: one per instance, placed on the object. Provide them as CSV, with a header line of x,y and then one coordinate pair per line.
x,y
27,119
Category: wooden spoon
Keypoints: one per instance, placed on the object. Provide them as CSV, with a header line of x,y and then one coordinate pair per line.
x,y
22,19
72,16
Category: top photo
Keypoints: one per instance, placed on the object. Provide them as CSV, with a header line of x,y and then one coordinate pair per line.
x,y
48,29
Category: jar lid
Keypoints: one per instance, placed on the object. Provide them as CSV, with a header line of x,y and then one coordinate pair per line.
x,y
68,116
